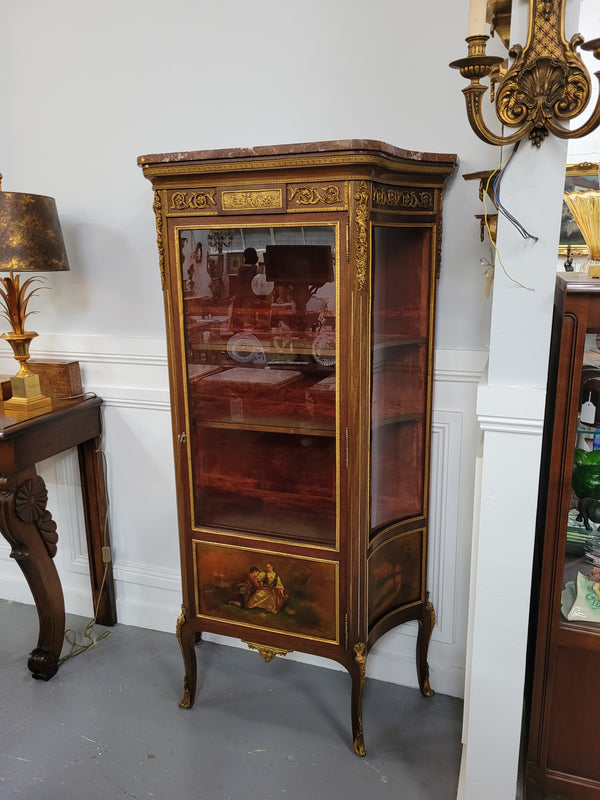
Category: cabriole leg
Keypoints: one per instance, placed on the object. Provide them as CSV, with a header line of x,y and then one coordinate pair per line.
x,y
358,673
186,638
426,624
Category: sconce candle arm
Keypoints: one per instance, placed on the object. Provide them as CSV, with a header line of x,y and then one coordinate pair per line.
x,y
546,86
473,95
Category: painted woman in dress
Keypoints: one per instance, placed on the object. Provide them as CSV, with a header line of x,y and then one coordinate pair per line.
x,y
272,595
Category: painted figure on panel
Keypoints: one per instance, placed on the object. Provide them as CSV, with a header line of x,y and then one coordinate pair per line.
x,y
271,595
291,594
246,587
261,589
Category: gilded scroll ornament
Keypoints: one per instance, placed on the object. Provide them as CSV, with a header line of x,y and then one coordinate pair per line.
x,y
312,196
268,653
194,200
181,620
252,199
361,199
361,659
157,206
397,197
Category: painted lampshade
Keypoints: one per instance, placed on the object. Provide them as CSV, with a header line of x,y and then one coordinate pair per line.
x,y
31,238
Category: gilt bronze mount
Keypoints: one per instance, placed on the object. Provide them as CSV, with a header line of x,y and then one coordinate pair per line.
x,y
546,86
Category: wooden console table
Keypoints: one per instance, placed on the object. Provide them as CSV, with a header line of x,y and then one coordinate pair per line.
x,y
27,525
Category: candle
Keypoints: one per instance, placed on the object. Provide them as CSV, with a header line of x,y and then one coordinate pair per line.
x,y
477,13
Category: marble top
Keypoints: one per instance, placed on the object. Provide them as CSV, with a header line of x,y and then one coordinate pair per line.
x,y
303,148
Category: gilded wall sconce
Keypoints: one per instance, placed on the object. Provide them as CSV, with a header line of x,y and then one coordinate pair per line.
x,y
545,87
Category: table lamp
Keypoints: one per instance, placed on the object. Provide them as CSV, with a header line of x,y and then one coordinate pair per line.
x,y
30,241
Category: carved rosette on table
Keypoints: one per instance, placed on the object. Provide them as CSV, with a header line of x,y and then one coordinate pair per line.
x,y
30,504
30,499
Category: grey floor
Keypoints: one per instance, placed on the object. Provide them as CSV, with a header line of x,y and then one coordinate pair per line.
x,y
108,726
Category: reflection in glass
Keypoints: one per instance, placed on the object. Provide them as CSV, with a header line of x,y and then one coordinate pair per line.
x,y
580,601
260,336
400,330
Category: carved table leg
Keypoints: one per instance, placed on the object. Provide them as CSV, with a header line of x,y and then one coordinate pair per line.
x,y
31,532
426,624
186,638
358,674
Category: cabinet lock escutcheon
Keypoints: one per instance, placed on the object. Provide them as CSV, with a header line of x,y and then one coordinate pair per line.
x,y
182,438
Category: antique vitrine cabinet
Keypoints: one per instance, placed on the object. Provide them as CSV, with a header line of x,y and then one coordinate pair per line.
x,y
299,285
564,748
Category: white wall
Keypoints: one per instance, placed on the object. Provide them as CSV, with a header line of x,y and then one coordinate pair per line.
x,y
91,87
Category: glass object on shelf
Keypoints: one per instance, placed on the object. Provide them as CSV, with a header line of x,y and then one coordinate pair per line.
x,y
260,337
580,599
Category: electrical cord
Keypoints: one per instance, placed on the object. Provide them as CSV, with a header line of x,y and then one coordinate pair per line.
x,y
496,192
495,180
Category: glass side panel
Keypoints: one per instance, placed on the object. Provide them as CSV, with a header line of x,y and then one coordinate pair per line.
x,y
400,331
581,578
260,339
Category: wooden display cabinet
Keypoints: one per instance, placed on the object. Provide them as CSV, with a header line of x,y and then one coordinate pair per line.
x,y
301,393
563,732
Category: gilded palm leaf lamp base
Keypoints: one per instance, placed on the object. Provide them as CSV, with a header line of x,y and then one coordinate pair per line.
x,y
27,399
592,267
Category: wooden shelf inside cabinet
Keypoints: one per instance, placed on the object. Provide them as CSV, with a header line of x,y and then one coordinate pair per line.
x,y
267,426
300,285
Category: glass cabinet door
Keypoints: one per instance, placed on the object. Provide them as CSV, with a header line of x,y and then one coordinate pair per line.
x,y
401,319
259,323
580,601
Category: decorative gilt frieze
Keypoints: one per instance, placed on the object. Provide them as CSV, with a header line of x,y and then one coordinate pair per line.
x,y
157,205
180,201
251,199
361,199
438,248
315,195
268,653
399,197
